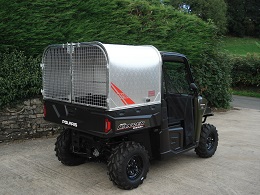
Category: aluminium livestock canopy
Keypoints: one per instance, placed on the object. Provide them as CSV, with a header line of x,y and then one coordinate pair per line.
x,y
100,75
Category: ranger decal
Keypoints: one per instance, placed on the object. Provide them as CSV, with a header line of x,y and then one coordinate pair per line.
x,y
135,125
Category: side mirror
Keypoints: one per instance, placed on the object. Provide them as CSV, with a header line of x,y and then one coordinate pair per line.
x,y
194,87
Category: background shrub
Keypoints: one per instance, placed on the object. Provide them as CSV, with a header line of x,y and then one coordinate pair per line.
x,y
20,77
214,79
245,70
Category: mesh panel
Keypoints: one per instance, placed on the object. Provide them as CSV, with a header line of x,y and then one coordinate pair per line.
x,y
79,78
56,74
89,73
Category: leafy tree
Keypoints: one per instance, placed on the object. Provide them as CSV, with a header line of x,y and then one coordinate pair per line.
x,y
252,18
244,17
213,10
236,16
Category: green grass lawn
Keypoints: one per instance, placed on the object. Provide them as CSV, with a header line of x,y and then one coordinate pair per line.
x,y
246,92
241,46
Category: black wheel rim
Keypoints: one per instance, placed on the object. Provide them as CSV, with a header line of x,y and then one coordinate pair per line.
x,y
210,141
134,167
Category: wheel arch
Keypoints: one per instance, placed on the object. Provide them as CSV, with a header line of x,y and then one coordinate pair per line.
x,y
147,139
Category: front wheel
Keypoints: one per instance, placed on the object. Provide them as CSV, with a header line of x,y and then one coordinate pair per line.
x,y
208,141
128,165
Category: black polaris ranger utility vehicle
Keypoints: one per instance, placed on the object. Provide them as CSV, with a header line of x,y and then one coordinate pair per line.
x,y
125,105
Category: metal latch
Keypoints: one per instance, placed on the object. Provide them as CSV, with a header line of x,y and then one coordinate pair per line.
x,y
42,65
70,48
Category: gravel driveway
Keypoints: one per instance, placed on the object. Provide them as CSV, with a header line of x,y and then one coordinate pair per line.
x,y
30,167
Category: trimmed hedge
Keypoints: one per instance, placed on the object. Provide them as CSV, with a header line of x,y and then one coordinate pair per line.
x,y
246,70
117,21
20,77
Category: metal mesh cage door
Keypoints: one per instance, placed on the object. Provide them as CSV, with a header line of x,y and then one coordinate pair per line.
x,y
76,73
89,76
56,74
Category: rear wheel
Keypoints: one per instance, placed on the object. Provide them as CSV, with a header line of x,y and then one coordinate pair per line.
x,y
208,141
64,151
128,165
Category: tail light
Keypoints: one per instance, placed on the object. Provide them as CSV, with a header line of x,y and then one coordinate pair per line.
x,y
107,125
44,110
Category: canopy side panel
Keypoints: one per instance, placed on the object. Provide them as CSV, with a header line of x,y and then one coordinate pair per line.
x,y
135,76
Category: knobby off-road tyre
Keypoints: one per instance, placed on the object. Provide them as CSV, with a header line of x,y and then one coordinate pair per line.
x,y
128,165
208,141
64,152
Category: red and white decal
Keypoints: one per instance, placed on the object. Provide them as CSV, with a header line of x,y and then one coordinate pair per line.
x,y
151,93
123,97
